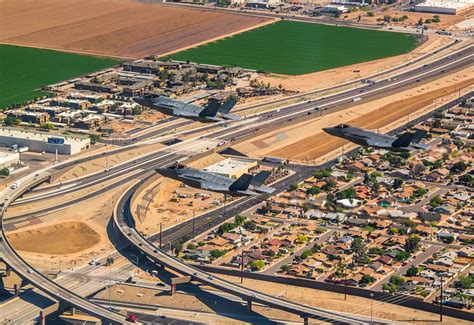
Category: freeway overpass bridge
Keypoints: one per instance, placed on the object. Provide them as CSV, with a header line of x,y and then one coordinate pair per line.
x,y
124,221
29,275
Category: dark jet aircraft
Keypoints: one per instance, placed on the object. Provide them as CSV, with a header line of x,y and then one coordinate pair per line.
x,y
213,111
406,142
217,183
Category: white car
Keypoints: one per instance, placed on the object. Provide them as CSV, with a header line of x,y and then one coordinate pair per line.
x,y
31,271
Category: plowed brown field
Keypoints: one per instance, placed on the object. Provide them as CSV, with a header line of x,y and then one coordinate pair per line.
x,y
120,28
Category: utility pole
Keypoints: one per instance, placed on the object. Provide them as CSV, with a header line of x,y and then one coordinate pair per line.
x,y
371,309
345,286
106,158
161,232
441,300
242,266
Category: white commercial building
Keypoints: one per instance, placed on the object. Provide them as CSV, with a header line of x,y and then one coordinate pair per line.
x,y
9,159
43,141
232,167
449,7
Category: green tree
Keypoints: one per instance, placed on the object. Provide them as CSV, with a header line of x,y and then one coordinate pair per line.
x,y
459,167
136,110
293,186
307,253
376,251
257,265
436,201
191,246
370,13
412,271
301,238
5,172
285,268
47,126
412,243
360,251
94,138
348,193
464,282
397,280
313,190
367,279
216,253
11,121
402,256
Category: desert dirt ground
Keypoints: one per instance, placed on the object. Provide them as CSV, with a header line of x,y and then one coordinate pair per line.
x,y
335,301
306,141
68,246
47,240
120,28
331,77
447,21
152,204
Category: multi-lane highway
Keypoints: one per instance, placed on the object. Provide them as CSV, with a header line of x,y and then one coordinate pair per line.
x,y
26,272
125,223
270,119
435,69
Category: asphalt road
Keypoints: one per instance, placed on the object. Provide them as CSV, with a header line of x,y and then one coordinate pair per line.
x,y
126,225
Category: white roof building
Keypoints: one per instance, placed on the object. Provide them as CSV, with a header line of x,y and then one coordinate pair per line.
x,y
450,7
232,167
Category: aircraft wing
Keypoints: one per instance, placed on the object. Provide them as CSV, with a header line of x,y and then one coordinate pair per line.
x,y
213,186
184,112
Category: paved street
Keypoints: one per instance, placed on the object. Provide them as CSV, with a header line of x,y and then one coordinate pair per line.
x,y
402,270
289,259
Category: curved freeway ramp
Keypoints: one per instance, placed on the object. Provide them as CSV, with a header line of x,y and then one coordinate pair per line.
x,y
124,220
24,270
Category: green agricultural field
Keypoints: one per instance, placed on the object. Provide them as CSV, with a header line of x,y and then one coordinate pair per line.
x,y
23,70
294,48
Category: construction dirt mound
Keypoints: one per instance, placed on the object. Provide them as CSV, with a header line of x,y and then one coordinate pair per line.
x,y
119,28
64,238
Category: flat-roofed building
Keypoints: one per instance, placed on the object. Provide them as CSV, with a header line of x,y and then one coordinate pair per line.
x,y
450,7
9,159
44,141
232,167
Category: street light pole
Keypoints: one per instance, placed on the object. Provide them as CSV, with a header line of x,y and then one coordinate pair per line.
x,y
110,283
161,232
193,224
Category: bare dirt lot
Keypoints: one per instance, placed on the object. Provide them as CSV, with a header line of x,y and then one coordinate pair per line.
x,y
120,28
306,141
53,239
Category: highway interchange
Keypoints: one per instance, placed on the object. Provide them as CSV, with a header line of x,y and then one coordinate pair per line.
x,y
232,133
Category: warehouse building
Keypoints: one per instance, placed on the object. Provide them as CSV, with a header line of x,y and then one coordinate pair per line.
x,y
232,167
44,141
9,159
449,7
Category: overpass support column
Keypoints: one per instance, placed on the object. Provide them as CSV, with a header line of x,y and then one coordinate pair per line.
x,y
249,305
173,289
42,318
305,321
8,269
16,288
73,311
